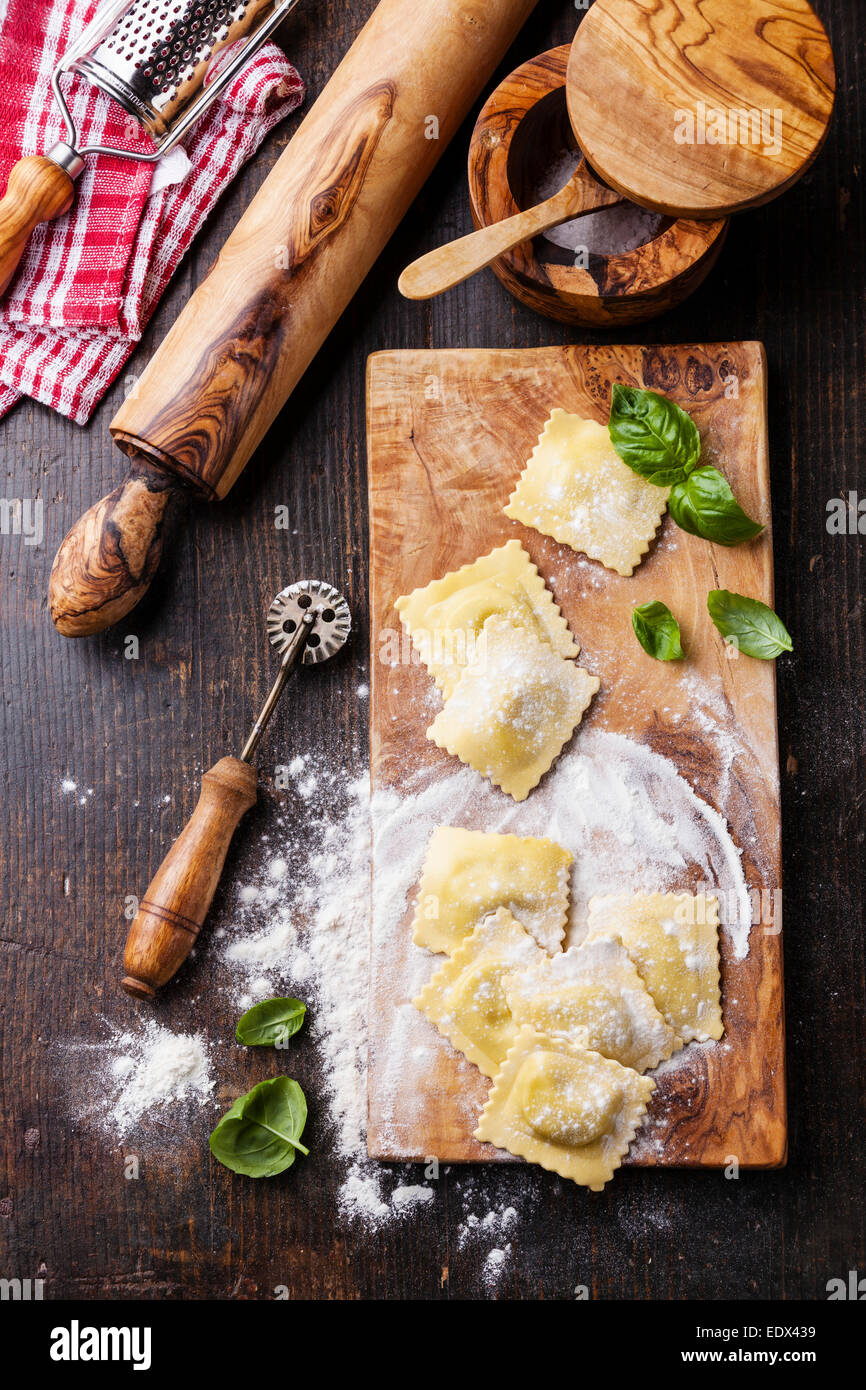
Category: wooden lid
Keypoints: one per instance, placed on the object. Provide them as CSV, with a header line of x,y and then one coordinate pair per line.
x,y
700,109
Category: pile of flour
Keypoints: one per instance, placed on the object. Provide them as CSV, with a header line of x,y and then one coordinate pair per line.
x,y
141,1071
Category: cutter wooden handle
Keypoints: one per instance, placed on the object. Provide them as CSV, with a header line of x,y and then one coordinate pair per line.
x,y
178,899
38,191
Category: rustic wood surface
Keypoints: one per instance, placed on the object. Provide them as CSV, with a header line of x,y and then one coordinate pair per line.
x,y
448,435
791,275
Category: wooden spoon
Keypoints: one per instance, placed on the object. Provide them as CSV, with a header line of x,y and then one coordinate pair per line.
x,y
449,265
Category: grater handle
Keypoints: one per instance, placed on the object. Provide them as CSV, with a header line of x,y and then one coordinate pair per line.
x,y
178,899
38,191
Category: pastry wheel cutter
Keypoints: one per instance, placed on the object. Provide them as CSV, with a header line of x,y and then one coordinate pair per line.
x,y
308,622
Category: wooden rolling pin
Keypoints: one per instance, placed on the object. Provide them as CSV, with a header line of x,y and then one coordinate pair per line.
x,y
283,278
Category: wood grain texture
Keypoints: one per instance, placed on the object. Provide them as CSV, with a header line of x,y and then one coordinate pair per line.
x,y
107,561
136,731
448,435
522,129
293,263
736,57
305,244
178,898
454,262
38,191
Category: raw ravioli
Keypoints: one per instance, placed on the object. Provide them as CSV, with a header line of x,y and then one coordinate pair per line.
x,y
445,618
673,939
468,874
577,489
465,999
566,1108
514,708
594,996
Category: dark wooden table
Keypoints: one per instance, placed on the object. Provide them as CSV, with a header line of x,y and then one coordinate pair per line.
x,y
138,731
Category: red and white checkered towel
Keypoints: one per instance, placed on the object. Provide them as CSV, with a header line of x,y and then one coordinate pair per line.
x,y
89,281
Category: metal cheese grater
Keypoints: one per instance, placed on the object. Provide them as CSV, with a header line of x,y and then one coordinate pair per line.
x,y
156,59
153,57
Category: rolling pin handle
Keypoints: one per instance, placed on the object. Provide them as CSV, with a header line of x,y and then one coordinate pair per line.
x,y
177,901
247,336
108,559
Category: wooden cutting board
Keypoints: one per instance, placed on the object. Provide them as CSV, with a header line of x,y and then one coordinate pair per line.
x,y
448,434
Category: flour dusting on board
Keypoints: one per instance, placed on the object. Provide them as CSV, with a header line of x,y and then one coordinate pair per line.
x,y
631,822
629,818
625,813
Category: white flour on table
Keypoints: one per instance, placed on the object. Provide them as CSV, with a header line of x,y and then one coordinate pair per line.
x,y
301,923
301,926
137,1074
495,1265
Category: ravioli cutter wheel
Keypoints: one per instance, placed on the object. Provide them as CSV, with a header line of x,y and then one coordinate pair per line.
x,y
308,622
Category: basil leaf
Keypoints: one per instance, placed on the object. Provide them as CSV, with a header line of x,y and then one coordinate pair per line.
x,y
750,625
260,1134
270,1023
704,505
658,631
652,435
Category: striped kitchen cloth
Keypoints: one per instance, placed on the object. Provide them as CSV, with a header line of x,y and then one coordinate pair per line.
x,y
89,281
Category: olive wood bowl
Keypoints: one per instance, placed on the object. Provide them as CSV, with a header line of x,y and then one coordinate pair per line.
x,y
524,129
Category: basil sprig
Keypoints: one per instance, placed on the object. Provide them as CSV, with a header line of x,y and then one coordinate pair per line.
x,y
660,441
261,1134
658,631
748,624
704,505
653,435
270,1023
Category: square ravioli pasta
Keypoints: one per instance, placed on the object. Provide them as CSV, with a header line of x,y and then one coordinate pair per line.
x,y
673,939
465,999
445,618
570,1110
469,874
577,489
594,996
514,708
